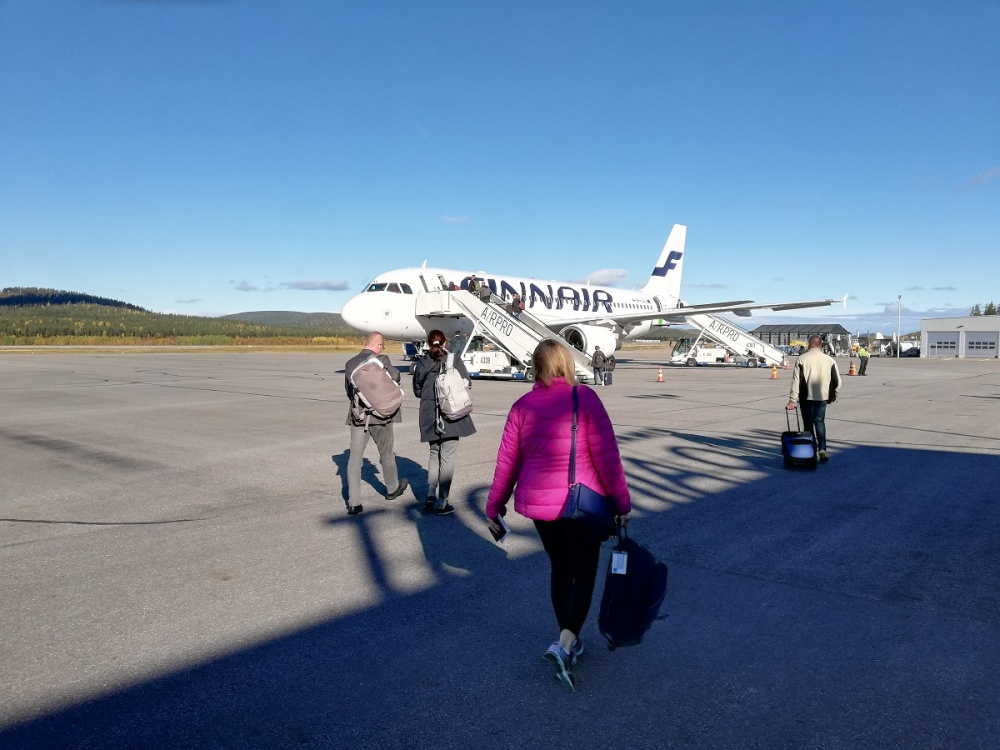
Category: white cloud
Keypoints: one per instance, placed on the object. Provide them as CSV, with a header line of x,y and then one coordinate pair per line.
x,y
447,219
606,277
985,177
245,286
329,285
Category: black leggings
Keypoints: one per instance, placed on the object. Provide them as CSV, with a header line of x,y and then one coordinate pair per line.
x,y
574,555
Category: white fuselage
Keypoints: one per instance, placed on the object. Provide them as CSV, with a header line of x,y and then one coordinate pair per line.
x,y
388,304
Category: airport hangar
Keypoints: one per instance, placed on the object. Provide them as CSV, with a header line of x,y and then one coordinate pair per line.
x,y
975,337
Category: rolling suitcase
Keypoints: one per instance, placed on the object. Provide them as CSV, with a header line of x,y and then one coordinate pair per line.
x,y
607,377
797,447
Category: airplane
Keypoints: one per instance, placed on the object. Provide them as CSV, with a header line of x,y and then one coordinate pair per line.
x,y
585,315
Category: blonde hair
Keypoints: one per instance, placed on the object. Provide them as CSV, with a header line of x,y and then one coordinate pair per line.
x,y
552,360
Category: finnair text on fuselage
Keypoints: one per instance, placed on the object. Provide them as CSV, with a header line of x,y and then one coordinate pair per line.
x,y
545,294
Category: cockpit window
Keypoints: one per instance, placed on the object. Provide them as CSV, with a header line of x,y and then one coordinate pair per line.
x,y
406,289
373,287
394,288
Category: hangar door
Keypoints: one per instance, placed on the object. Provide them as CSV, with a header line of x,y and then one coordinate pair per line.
x,y
981,344
942,344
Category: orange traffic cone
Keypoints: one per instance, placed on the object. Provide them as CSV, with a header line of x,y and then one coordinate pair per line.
x,y
853,370
774,372
659,374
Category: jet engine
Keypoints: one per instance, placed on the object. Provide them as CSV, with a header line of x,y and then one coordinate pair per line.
x,y
585,338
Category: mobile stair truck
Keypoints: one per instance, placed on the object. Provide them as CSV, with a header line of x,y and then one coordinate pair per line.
x,y
518,337
724,341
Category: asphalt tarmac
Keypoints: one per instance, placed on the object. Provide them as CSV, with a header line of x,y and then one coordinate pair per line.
x,y
179,570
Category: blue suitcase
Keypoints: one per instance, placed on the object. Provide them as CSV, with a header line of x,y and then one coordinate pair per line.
x,y
798,448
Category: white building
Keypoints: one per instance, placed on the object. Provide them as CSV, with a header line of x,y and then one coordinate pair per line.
x,y
975,337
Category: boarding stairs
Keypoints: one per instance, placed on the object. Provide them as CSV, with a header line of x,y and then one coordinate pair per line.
x,y
735,339
517,336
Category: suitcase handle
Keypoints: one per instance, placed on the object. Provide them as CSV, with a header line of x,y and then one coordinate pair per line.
x,y
798,427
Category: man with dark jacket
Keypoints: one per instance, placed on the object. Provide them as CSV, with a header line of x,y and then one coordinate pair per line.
x,y
815,383
379,428
599,362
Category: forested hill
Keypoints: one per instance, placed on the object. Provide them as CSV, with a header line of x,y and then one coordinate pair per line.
x,y
14,296
46,316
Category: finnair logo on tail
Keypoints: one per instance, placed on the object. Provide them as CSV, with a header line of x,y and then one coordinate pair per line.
x,y
671,262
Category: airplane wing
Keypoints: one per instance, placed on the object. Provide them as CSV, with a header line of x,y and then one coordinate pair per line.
x,y
743,309
740,308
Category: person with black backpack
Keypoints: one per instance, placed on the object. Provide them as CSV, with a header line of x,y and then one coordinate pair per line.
x,y
437,427
366,421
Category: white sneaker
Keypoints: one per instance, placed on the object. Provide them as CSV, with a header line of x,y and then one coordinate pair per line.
x,y
558,656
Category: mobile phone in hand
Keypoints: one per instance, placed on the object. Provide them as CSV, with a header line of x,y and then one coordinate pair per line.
x,y
500,536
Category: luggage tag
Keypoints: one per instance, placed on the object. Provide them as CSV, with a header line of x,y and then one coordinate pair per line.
x,y
619,563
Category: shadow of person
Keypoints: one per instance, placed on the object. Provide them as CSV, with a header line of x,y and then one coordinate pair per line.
x,y
405,467
460,544
369,474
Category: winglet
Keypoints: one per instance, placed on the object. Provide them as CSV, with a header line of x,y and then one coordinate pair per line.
x,y
844,301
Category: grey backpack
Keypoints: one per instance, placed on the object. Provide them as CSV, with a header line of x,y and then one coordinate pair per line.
x,y
375,392
453,398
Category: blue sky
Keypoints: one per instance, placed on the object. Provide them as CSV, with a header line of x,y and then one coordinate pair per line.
x,y
223,156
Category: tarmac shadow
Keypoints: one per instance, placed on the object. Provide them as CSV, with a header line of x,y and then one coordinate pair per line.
x,y
450,544
407,468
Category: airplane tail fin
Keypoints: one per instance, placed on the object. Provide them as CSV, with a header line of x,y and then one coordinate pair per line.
x,y
665,281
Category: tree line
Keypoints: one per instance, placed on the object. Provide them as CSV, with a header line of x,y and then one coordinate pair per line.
x,y
991,309
32,315
29,296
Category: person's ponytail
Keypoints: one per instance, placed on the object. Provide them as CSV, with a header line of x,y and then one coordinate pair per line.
x,y
436,342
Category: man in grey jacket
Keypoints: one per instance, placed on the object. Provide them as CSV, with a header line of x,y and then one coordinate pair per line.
x,y
599,363
815,383
379,428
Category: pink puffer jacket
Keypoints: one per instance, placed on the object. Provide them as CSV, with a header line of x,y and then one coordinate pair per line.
x,y
535,447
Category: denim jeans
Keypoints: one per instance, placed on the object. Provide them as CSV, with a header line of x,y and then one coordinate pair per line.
x,y
814,421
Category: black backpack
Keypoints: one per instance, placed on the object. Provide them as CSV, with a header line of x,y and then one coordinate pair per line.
x,y
631,601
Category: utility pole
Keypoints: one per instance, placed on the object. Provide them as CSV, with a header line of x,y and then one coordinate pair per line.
x,y
898,319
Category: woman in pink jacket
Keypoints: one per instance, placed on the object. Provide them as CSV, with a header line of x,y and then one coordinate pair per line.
x,y
534,455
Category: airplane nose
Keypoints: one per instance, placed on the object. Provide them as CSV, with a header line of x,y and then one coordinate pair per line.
x,y
352,313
